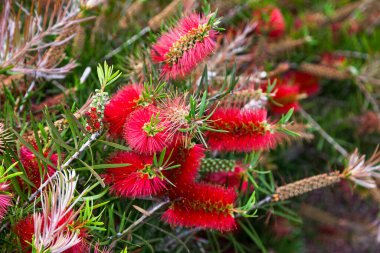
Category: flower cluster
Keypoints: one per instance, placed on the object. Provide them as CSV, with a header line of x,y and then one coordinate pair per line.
x,y
135,114
162,130
194,204
270,21
197,134
95,115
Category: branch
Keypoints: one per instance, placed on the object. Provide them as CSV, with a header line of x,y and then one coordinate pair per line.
x,y
323,133
148,213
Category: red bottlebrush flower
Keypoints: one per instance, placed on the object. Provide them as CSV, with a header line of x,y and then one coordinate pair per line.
x,y
97,249
122,104
287,97
330,59
113,175
185,46
142,184
270,21
307,83
32,170
24,229
218,197
5,202
82,246
174,111
367,123
246,130
190,161
298,23
281,227
204,206
177,215
139,179
145,131
236,178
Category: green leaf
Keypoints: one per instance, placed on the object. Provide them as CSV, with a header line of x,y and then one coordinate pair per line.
x,y
104,166
251,232
115,145
203,105
11,176
95,197
93,172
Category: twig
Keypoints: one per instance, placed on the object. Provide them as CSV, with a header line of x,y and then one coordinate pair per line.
x,y
352,54
316,214
368,95
262,202
259,204
323,133
129,42
148,213
31,87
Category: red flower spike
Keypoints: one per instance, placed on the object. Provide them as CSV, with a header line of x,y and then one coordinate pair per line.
x,y
177,215
190,161
329,59
146,132
307,83
287,97
184,47
32,170
24,229
138,179
82,246
270,21
5,202
140,184
122,104
247,130
235,179
113,175
202,194
174,111
202,205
